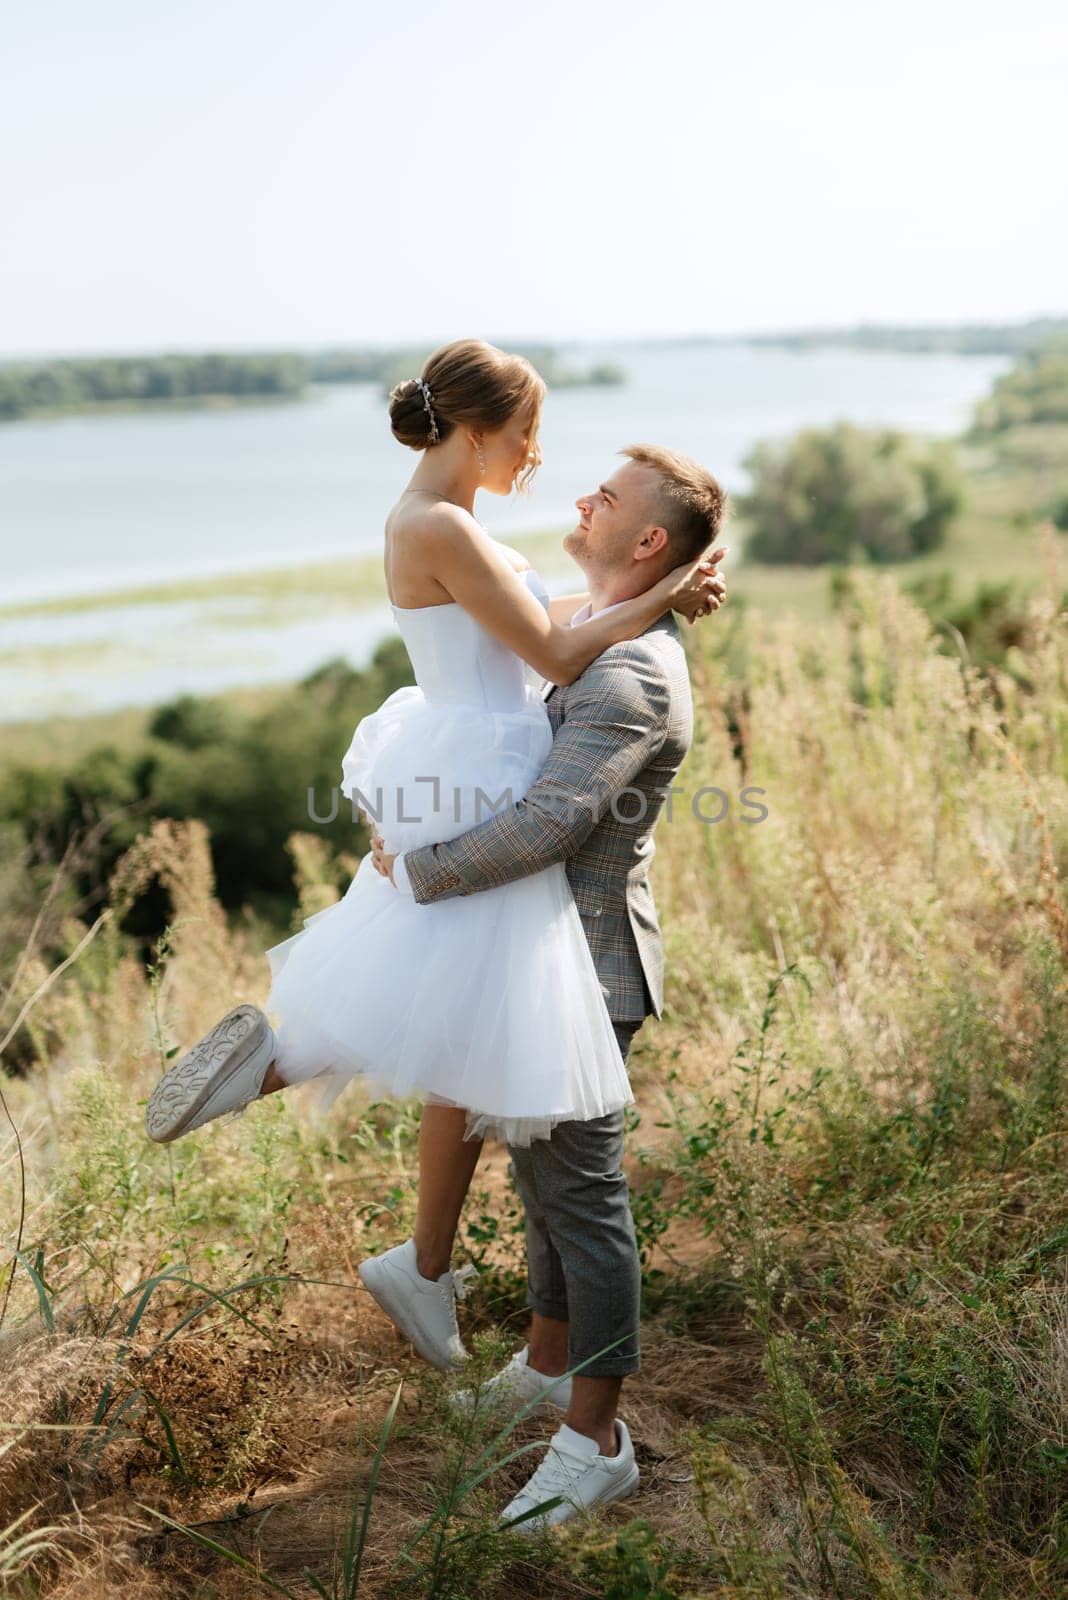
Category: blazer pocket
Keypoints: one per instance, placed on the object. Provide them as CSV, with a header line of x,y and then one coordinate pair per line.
x,y
589,898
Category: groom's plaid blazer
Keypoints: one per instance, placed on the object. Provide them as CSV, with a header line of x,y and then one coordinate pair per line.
x,y
620,731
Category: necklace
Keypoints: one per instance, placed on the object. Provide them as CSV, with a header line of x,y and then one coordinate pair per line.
x,y
434,492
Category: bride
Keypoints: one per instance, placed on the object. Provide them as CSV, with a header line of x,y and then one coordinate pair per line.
x,y
486,1007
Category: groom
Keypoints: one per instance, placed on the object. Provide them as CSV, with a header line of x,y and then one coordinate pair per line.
x,y
621,731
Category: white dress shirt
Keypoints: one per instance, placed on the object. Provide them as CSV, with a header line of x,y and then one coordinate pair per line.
x,y
583,614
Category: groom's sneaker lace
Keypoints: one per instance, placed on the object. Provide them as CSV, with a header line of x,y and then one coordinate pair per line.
x,y
459,1279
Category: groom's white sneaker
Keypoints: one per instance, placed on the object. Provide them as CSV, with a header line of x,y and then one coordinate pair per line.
x,y
423,1309
512,1387
224,1072
574,1468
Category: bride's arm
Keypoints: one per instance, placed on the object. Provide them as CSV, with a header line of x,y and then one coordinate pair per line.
x,y
459,556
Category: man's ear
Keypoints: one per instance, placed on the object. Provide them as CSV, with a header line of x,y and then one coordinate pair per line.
x,y
652,543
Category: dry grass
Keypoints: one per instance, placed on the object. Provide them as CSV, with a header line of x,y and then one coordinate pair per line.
x,y
847,1183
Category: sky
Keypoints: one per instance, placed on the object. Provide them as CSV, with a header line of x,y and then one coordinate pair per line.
x,y
241,173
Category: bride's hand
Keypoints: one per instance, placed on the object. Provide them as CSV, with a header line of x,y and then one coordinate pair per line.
x,y
381,860
697,587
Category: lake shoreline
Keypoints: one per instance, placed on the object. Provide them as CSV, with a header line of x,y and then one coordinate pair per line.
x,y
165,554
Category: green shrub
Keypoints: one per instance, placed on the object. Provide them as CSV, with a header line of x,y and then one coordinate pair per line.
x,y
835,494
1035,390
247,776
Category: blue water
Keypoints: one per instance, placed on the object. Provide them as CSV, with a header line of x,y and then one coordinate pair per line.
x,y
94,503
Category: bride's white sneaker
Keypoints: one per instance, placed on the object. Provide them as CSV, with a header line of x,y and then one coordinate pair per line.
x,y
512,1387
423,1309
224,1072
574,1468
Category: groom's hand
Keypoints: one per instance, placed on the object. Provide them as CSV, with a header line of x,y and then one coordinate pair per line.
x,y
381,859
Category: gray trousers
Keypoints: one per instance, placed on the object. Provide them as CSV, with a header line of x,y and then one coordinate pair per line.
x,y
582,1255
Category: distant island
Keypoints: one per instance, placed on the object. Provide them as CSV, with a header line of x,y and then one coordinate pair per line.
x,y
63,387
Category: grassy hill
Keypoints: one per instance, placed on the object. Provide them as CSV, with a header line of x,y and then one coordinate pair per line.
x,y
846,1162
846,1155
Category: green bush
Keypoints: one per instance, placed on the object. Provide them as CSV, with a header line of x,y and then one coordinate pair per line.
x,y
192,722
986,626
1058,513
1034,391
247,776
836,494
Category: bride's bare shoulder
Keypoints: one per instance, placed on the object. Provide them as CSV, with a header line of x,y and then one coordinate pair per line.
x,y
426,527
421,542
431,520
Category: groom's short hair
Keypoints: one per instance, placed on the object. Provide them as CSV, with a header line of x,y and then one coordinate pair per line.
x,y
689,501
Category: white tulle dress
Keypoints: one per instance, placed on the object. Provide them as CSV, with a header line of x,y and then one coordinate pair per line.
x,y
489,1001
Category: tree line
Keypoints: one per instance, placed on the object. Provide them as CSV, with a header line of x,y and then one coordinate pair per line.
x,y
1034,391
55,386
964,339
34,387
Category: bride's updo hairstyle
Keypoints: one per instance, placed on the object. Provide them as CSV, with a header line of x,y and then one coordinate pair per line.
x,y
469,382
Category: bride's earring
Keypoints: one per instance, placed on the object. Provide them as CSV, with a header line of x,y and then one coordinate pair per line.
x,y
481,460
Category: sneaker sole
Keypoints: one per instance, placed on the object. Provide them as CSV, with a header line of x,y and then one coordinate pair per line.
x,y
629,1484
185,1088
376,1280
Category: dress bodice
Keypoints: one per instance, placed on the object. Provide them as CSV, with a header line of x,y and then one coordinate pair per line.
x,y
459,662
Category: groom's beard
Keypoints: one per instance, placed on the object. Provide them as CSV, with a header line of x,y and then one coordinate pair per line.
x,y
597,572
575,545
